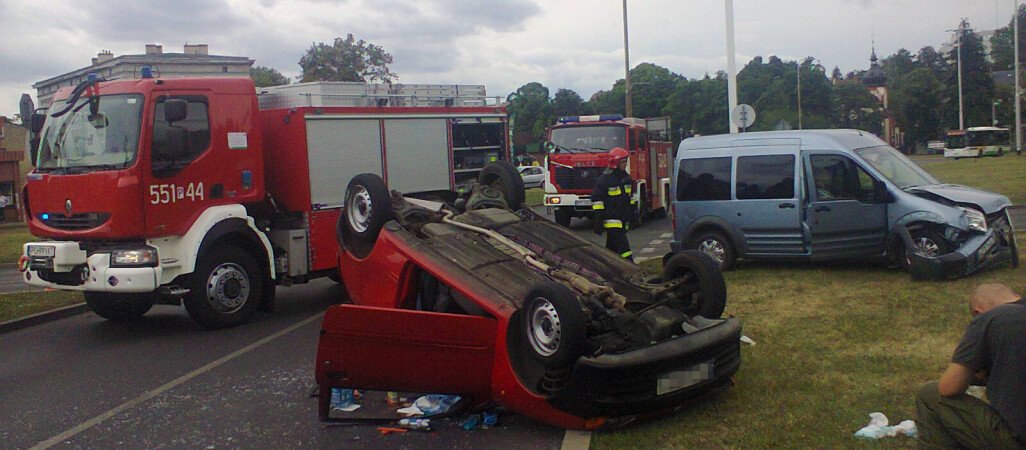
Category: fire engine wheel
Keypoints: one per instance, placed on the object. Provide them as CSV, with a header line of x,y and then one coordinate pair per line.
x,y
717,246
367,208
552,325
226,288
702,289
563,216
119,307
501,175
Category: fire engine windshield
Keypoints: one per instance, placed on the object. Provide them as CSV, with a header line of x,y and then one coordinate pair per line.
x,y
95,133
595,138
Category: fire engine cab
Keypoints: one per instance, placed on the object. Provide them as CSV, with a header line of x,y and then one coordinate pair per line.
x,y
197,191
578,151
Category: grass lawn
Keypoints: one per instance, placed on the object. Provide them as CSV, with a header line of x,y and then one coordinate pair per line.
x,y
22,304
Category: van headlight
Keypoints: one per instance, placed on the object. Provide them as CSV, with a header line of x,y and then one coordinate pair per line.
x,y
977,221
144,257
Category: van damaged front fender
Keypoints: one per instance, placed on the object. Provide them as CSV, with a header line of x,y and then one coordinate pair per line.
x,y
979,252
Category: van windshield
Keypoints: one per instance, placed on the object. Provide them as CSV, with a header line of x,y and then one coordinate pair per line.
x,y
896,167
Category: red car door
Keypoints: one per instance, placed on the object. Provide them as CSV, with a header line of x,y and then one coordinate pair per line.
x,y
406,350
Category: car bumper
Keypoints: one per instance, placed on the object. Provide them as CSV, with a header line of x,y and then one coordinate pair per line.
x,y
980,252
658,377
71,269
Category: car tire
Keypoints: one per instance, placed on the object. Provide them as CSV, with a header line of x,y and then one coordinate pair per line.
x,y
552,325
119,307
926,242
706,290
717,246
502,176
368,206
563,217
226,289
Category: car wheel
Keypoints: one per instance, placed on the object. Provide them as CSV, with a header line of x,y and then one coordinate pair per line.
x,y
118,307
552,325
367,208
563,217
703,291
226,288
717,246
502,176
925,242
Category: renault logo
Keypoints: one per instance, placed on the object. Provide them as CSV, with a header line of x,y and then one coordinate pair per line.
x,y
67,208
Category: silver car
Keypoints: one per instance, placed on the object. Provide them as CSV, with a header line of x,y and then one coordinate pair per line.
x,y
534,176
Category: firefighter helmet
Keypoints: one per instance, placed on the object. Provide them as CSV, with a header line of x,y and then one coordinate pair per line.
x,y
616,155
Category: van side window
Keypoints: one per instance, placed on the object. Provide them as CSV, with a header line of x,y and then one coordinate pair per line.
x,y
704,179
765,177
834,177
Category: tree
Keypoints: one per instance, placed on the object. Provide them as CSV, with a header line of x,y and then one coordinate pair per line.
x,y
346,60
567,103
530,110
855,107
266,76
1002,47
651,86
915,101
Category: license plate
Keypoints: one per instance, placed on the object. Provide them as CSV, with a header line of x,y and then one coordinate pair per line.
x,y
681,379
42,250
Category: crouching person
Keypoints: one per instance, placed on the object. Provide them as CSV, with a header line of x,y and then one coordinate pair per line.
x,y
992,352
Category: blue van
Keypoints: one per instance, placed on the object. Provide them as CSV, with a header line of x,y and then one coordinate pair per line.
x,y
827,195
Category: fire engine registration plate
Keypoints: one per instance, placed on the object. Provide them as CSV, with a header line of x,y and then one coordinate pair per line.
x,y
681,379
42,250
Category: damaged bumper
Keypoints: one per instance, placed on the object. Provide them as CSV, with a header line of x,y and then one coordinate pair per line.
x,y
657,377
980,252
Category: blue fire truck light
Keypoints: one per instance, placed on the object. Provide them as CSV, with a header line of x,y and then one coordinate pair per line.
x,y
146,72
44,216
91,77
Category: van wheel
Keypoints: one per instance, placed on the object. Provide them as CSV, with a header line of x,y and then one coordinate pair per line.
x,y
563,217
925,242
703,291
119,307
717,246
226,288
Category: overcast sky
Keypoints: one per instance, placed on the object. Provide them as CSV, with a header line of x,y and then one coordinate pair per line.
x,y
503,44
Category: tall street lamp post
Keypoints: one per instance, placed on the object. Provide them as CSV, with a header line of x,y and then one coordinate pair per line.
x,y
626,63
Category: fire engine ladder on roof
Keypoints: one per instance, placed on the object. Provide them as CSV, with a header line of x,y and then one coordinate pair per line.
x,y
330,93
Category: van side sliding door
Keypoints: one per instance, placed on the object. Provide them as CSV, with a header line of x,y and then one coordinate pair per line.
x,y
843,217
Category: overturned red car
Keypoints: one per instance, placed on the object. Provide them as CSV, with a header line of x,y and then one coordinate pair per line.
x,y
482,298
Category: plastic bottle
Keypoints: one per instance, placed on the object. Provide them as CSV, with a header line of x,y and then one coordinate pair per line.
x,y
415,424
341,397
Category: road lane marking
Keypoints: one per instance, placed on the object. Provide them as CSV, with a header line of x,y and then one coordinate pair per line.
x,y
576,440
71,432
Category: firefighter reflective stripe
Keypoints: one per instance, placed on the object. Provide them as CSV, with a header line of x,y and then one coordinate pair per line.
x,y
612,223
598,205
626,254
627,189
615,190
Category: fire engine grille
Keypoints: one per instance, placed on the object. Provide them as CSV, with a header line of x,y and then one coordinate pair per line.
x,y
577,177
81,221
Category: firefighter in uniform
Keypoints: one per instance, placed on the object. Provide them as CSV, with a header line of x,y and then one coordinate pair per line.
x,y
612,205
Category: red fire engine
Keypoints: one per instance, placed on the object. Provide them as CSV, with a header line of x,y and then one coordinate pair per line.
x,y
579,151
200,191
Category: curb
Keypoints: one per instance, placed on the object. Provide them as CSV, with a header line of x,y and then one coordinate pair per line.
x,y
43,317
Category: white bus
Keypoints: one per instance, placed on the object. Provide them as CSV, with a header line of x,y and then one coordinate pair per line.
x,y
976,142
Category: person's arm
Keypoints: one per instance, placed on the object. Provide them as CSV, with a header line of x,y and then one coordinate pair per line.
x,y
955,380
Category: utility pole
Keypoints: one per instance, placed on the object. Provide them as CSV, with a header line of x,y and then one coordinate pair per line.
x,y
731,69
1018,87
799,72
962,28
626,63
